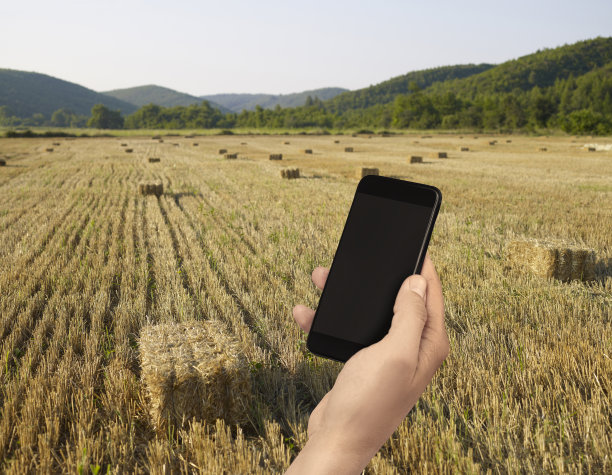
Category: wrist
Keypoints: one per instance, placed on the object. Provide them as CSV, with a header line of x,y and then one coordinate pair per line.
x,y
324,454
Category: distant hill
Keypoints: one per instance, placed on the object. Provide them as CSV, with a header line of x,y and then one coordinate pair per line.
x,y
28,93
542,69
240,102
387,91
161,96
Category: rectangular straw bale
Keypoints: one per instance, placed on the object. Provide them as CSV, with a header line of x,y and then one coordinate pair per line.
x,y
2,162
548,259
336,141
364,171
308,151
348,149
276,156
194,371
492,142
56,144
290,173
543,149
129,150
195,144
508,141
442,155
591,149
124,145
465,149
49,150
416,159
222,151
147,188
230,156
154,159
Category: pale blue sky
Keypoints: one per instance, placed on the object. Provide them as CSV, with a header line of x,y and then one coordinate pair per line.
x,y
204,47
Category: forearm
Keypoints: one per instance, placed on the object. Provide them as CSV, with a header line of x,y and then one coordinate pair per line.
x,y
322,456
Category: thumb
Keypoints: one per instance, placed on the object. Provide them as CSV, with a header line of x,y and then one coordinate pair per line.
x,y
409,316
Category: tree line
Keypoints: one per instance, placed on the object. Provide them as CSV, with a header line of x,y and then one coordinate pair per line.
x,y
581,105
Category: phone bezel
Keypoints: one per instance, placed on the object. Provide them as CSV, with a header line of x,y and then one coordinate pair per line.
x,y
391,188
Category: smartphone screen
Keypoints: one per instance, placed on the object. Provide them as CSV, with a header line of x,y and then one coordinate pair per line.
x,y
384,241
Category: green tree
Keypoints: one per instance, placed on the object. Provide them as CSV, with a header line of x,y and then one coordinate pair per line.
x,y
104,118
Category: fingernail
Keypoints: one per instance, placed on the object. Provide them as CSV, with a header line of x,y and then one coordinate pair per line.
x,y
418,285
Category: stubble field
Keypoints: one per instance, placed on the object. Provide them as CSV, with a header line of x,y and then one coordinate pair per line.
x,y
86,262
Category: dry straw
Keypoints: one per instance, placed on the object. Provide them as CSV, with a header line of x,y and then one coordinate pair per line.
x,y
363,171
154,159
276,156
549,259
156,189
442,155
290,173
193,371
416,159
348,149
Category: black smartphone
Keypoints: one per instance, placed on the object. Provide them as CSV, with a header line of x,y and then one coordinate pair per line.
x,y
384,241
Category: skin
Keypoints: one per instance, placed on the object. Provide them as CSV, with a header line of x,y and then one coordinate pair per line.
x,y
380,384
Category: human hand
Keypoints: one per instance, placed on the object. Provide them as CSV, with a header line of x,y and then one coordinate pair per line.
x,y
378,385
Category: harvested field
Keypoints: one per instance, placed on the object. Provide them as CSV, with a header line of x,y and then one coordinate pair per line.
x,y
87,263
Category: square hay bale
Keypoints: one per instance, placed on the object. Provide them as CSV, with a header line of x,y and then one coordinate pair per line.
x,y
543,149
146,188
2,162
154,159
276,156
442,155
188,136
550,259
591,149
290,173
243,143
364,171
308,151
348,149
49,150
492,142
56,144
161,140
230,156
426,136
195,144
465,149
336,141
176,144
286,143
222,151
194,371
124,145
156,137
508,141
129,150
416,159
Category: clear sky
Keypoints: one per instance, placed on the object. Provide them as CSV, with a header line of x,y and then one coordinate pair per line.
x,y
273,46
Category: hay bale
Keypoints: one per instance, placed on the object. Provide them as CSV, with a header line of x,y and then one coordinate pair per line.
x,y
363,171
426,136
549,259
336,141
222,151
416,159
276,156
591,149
290,173
156,137
56,144
465,149
492,142
161,140
2,162
188,136
308,151
230,156
348,149
442,155
129,150
195,144
287,143
49,150
154,159
124,145
508,141
543,149
243,143
175,144
194,372
146,188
